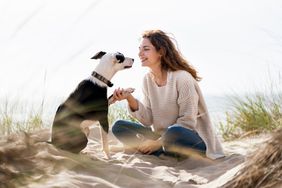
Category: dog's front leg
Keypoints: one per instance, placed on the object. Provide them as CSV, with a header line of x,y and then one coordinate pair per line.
x,y
105,142
104,129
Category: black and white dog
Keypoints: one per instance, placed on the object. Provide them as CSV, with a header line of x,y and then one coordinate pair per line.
x,y
88,102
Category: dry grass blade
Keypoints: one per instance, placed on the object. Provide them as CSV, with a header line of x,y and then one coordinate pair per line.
x,y
263,169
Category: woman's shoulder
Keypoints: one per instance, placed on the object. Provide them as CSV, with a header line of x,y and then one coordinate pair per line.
x,y
147,76
182,74
147,80
182,78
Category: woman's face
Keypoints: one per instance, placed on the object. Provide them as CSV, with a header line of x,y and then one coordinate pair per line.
x,y
148,55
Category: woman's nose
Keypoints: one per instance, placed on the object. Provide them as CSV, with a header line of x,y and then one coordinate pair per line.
x,y
140,54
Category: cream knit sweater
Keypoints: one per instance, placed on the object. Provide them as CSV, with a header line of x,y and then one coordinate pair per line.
x,y
181,102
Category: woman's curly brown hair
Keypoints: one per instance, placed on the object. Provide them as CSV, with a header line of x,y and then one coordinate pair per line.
x,y
171,59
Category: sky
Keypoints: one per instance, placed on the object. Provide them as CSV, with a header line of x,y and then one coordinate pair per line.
x,y
46,45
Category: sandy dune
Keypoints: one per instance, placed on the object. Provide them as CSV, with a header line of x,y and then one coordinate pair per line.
x,y
28,163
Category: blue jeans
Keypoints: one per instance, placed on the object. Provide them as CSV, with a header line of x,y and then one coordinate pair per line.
x,y
176,141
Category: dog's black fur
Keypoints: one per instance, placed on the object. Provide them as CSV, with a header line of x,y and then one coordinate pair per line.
x,y
88,101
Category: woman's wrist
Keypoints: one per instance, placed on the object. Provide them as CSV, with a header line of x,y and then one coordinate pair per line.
x,y
132,102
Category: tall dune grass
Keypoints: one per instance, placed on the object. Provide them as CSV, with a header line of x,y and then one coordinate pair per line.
x,y
118,111
252,114
17,116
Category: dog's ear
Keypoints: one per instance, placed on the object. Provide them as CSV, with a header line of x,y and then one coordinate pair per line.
x,y
98,55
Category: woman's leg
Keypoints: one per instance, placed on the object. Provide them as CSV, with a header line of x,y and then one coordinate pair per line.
x,y
182,141
127,132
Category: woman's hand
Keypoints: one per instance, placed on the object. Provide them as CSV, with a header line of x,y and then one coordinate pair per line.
x,y
121,94
149,146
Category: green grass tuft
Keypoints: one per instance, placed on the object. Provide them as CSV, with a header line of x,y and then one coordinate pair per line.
x,y
119,112
251,115
14,117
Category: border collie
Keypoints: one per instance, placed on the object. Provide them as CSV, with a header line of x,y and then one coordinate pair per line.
x,y
88,102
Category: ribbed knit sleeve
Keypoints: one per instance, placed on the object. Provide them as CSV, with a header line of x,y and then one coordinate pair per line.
x,y
187,101
144,112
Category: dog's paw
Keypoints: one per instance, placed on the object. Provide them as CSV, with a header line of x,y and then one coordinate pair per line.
x,y
112,100
129,90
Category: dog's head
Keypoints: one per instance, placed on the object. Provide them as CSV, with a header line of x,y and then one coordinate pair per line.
x,y
116,61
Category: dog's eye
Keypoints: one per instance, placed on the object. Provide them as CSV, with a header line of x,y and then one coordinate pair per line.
x,y
120,57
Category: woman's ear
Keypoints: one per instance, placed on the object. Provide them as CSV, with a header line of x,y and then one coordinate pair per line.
x,y
161,52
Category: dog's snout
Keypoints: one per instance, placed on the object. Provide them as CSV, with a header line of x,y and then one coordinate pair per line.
x,y
132,59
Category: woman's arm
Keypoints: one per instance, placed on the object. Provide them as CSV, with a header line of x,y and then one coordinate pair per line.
x,y
188,102
132,103
140,111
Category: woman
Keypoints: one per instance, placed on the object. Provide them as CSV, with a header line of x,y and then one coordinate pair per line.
x,y
173,113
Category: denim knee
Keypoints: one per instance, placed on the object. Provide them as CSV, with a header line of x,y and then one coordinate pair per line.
x,y
171,134
118,126
180,136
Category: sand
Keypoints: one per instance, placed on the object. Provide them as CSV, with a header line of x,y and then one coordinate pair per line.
x,y
28,161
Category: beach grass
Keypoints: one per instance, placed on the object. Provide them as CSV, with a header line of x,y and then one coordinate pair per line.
x,y
17,117
119,112
251,114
